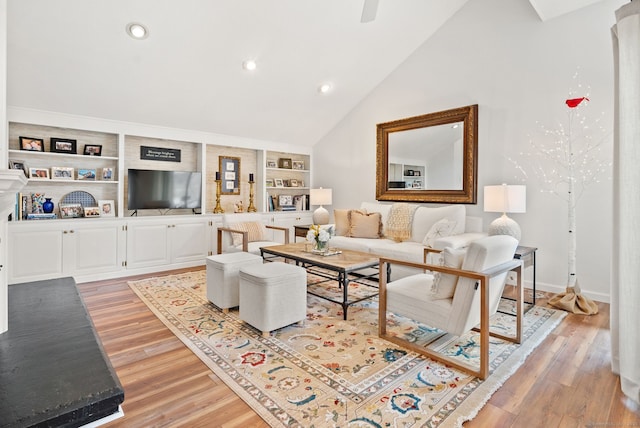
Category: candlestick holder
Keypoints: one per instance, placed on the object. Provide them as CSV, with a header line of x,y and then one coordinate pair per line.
x,y
252,208
218,209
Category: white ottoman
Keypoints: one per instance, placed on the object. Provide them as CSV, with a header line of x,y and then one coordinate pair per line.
x,y
273,295
222,277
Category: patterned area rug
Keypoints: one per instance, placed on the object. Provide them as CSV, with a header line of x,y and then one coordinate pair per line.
x,y
335,373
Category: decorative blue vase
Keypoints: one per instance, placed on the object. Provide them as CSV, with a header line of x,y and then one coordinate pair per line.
x,y
47,206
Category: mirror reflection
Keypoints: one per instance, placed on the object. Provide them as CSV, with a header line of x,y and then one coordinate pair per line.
x,y
427,158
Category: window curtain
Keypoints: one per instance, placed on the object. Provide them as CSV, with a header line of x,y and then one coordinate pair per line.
x,y
625,278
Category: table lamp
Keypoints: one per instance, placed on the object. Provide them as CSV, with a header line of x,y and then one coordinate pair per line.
x,y
320,197
505,199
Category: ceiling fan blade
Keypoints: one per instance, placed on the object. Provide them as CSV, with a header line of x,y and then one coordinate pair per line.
x,y
369,10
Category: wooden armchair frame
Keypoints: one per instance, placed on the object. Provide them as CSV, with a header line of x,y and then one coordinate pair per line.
x,y
245,236
483,279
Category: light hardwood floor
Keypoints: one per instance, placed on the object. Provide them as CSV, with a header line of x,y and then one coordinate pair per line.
x,y
565,382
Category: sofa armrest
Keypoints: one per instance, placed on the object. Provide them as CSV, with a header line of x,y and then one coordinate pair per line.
x,y
457,241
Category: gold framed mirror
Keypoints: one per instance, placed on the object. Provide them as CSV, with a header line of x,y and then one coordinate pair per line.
x,y
429,158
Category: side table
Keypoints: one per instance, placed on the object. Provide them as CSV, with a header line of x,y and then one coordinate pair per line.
x,y
528,257
300,230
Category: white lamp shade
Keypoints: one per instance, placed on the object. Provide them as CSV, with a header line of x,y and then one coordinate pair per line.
x,y
320,196
505,198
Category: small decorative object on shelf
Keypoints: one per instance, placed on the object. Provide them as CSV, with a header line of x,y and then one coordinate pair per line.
x,y
239,207
47,206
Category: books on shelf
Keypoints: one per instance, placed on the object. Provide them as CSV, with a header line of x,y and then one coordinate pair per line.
x,y
42,216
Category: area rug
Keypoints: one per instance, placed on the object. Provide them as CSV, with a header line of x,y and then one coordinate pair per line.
x,y
334,373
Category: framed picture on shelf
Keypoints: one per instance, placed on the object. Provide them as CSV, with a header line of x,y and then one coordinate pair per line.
x,y
269,182
39,173
32,144
417,184
416,173
107,174
293,182
92,149
278,182
284,163
107,208
18,164
63,145
271,164
62,173
229,168
70,210
86,174
91,211
285,200
297,164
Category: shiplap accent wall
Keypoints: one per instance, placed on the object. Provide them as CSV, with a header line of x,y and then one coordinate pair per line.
x,y
248,164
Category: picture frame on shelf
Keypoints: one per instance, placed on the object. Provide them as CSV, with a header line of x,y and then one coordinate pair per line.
x,y
299,165
271,164
278,182
18,164
107,208
229,168
86,174
285,200
31,144
70,210
39,173
269,182
417,173
107,174
62,173
92,150
64,145
284,163
417,184
91,211
293,182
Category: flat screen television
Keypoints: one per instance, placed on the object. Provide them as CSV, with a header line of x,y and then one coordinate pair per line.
x,y
153,189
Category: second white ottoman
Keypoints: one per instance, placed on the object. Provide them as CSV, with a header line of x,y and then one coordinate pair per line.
x,y
222,277
273,295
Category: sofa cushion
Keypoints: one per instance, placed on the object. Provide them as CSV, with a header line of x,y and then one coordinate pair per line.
x,y
375,207
341,218
364,225
440,229
256,231
444,284
425,217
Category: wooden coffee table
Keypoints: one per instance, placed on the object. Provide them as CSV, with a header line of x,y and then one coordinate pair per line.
x,y
344,268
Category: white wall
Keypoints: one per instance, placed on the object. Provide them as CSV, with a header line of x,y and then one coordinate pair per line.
x,y
4,297
498,54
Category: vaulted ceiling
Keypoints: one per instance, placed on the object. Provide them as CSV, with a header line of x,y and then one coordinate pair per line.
x,y
74,56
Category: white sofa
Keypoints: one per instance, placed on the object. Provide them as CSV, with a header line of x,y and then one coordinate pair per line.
x,y
465,229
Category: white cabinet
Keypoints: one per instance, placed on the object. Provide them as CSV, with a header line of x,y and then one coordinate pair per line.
x,y
285,219
160,242
51,249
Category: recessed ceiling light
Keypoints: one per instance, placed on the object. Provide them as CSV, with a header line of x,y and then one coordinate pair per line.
x,y
249,65
137,31
325,88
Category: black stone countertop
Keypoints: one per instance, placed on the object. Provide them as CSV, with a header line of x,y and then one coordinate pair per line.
x,y
53,370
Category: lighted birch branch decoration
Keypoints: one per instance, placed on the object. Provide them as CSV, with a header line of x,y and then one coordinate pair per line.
x,y
565,163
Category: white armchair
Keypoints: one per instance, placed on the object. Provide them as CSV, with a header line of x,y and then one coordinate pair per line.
x,y
476,287
246,232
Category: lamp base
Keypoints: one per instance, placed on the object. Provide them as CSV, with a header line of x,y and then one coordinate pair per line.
x,y
505,226
321,216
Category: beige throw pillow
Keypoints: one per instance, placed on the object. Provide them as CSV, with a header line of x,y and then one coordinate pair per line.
x,y
365,225
256,230
341,217
444,284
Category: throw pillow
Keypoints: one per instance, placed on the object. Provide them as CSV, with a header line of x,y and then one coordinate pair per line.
x,y
342,221
439,229
256,230
365,225
444,284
